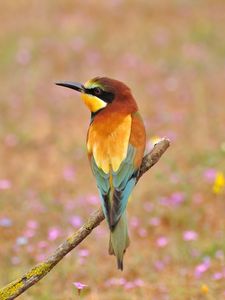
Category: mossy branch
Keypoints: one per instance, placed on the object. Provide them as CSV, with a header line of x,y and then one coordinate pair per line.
x,y
17,287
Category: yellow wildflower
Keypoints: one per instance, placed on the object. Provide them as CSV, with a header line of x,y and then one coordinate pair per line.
x,y
204,289
219,183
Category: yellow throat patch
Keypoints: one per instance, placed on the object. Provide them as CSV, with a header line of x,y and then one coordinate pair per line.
x,y
92,102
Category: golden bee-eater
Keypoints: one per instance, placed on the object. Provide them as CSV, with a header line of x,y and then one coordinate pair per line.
x,y
115,145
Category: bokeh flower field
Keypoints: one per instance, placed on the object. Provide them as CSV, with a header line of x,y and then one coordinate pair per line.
x,y
172,55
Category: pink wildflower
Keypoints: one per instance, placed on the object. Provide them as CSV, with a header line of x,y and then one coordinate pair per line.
x,y
162,241
5,184
32,224
190,235
202,268
159,265
83,252
139,282
93,199
218,276
134,222
53,233
209,175
80,286
142,232
76,221
129,285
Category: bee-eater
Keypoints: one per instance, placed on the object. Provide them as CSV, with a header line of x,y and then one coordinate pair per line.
x,y
115,145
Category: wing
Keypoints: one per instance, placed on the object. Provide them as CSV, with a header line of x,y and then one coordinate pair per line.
x,y
116,187
123,183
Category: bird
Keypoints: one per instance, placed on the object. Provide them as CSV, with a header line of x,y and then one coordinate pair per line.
x,y
116,141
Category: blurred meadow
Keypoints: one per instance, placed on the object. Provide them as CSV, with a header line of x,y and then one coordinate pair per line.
x,y
172,55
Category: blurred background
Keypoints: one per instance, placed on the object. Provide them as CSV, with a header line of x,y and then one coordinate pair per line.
x,y
172,55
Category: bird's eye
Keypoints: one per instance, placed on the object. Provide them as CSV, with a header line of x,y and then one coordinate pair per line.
x,y
97,91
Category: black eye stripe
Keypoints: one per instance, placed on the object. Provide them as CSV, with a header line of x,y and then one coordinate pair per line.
x,y
103,95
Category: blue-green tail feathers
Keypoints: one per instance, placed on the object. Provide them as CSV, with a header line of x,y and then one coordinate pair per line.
x,y
119,240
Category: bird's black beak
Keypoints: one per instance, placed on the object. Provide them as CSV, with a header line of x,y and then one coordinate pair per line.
x,y
72,85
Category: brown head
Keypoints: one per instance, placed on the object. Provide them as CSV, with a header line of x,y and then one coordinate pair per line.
x,y
101,92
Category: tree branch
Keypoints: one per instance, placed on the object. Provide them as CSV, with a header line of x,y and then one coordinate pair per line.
x,y
17,287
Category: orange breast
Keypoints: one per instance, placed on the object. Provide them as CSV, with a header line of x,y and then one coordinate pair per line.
x,y
108,139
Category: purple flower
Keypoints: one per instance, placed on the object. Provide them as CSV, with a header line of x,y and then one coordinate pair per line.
x,y
209,175
139,282
162,241
159,265
134,222
190,235
93,199
115,281
129,285
80,286
5,222
5,184
177,198
83,252
202,268
121,281
32,224
76,221
142,232
53,233
218,276
174,200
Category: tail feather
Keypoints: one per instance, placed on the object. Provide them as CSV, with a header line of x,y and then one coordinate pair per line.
x,y
119,240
